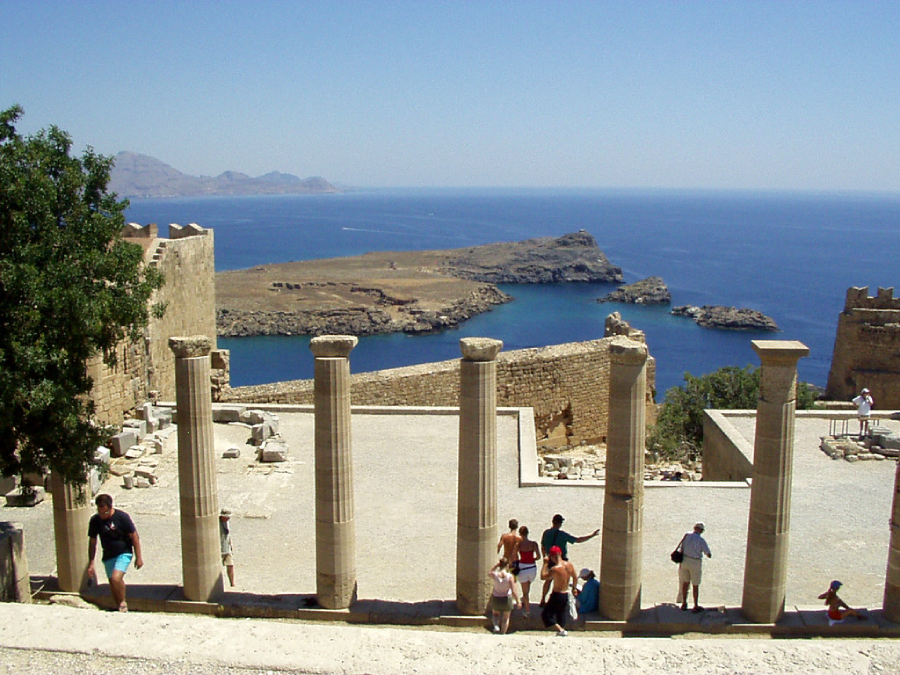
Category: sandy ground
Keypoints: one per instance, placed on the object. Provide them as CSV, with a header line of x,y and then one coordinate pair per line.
x,y
405,493
41,639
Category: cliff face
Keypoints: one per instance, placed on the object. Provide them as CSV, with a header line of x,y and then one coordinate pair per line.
x,y
389,292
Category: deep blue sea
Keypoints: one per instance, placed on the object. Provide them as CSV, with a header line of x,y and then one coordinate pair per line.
x,y
789,255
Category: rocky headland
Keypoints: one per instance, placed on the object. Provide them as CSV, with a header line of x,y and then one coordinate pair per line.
x,y
649,291
729,318
389,292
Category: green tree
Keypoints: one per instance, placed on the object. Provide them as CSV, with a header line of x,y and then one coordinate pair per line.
x,y
70,288
678,433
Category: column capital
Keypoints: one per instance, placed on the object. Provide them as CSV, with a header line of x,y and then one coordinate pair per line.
x,y
333,346
480,348
780,352
190,346
627,352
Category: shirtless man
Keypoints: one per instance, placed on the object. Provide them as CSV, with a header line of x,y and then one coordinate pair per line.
x,y
509,542
561,574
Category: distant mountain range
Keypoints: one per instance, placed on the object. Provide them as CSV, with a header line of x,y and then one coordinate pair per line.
x,y
136,175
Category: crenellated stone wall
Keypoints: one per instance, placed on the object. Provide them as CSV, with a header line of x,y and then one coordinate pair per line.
x,y
146,369
567,385
867,348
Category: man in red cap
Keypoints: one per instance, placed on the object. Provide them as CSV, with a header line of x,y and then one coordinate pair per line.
x,y
561,573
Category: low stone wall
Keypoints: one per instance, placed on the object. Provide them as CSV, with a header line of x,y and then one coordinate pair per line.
x,y
566,385
727,455
15,583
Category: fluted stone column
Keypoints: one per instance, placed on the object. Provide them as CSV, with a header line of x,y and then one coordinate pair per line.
x,y
891,604
201,558
71,514
335,512
623,509
768,532
476,525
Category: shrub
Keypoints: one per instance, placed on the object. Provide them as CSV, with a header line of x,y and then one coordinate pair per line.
x,y
678,433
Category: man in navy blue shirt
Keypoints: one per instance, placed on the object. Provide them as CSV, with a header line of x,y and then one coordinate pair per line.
x,y
120,543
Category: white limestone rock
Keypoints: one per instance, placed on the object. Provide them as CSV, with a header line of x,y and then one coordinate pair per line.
x,y
273,450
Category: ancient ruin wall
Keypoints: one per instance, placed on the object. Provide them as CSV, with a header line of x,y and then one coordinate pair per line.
x,y
567,385
187,262
867,348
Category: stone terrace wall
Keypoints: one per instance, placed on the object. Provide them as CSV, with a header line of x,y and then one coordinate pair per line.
x,y
187,262
867,348
567,385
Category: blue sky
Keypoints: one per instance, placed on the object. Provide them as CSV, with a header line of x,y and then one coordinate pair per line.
x,y
784,95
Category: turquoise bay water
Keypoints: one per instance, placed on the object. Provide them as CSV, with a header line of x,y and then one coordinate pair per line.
x,y
790,255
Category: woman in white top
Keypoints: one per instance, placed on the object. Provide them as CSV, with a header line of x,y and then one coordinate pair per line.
x,y
504,596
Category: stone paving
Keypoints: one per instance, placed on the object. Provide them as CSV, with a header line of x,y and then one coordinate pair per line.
x,y
405,469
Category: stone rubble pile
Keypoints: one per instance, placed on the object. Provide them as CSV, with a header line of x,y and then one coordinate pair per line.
x,y
133,452
593,467
880,444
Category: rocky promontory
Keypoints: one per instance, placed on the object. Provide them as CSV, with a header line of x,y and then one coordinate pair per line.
x,y
546,260
649,291
729,318
389,292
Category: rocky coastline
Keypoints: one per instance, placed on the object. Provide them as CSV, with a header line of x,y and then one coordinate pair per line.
x,y
649,291
360,320
391,292
727,318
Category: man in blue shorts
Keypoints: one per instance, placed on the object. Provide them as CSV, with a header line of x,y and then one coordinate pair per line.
x,y
120,543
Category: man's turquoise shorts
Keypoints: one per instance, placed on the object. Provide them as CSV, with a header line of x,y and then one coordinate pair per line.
x,y
120,562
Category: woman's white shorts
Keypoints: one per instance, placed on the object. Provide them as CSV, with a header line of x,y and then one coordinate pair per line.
x,y
527,574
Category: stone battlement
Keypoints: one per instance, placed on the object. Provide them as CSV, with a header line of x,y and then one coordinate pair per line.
x,y
858,298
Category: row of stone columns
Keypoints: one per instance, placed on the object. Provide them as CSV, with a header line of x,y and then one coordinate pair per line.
x,y
620,566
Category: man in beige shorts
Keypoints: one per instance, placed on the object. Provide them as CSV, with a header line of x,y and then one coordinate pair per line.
x,y
690,571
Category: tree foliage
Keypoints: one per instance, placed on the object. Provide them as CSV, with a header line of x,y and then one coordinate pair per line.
x,y
70,288
678,434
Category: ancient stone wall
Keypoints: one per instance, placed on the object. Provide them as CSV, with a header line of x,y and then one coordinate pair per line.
x,y
867,348
567,385
187,262
727,455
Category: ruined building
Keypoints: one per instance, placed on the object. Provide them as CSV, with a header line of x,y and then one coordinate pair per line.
x,y
146,369
867,348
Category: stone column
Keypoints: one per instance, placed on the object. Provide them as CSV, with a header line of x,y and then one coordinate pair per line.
x,y
891,604
623,509
476,525
71,514
768,532
335,513
201,559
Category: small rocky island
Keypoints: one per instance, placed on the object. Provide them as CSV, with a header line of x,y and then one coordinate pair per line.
x,y
649,291
729,318
389,292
